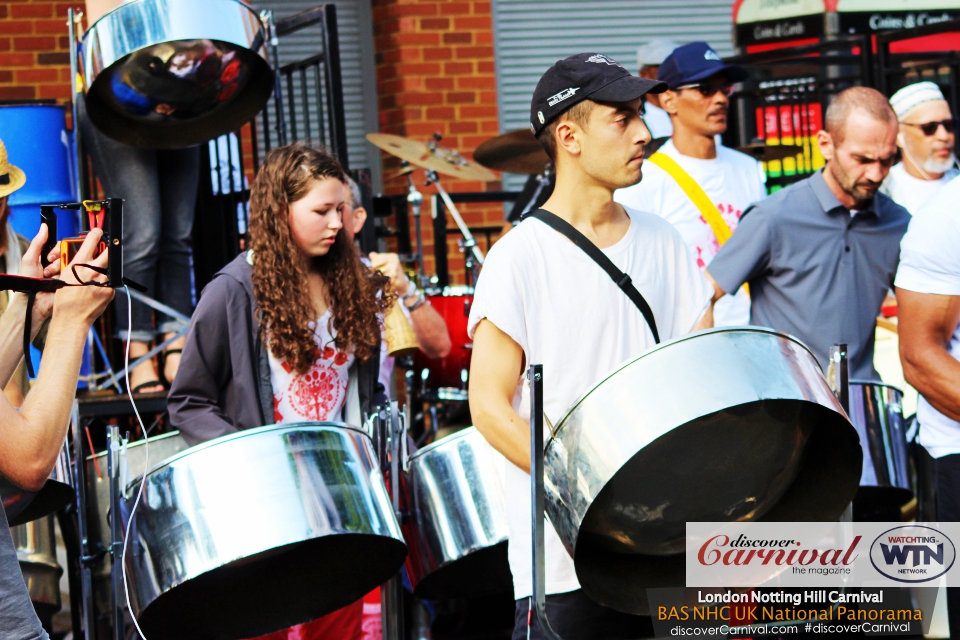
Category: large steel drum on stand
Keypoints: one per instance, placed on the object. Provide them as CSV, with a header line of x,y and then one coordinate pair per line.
x,y
725,425
167,74
457,530
258,531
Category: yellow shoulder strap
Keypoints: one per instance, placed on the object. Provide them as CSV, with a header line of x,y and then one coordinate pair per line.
x,y
696,194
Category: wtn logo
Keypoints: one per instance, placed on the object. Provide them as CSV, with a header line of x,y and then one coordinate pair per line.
x,y
899,554
912,553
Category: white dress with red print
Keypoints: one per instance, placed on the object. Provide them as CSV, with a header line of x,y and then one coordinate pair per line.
x,y
320,393
732,180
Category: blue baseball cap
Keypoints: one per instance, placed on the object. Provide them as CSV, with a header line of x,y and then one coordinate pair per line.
x,y
695,62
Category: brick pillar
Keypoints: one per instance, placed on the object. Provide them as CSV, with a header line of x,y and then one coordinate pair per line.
x,y
34,50
435,73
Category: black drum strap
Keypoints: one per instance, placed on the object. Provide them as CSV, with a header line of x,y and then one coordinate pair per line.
x,y
621,279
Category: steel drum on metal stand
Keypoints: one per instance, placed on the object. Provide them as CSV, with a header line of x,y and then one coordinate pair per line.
x,y
457,530
175,73
885,484
258,531
733,424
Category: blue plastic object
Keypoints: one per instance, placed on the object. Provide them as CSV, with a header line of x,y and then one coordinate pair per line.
x,y
38,142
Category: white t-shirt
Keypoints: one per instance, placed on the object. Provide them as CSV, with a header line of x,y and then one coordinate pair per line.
x,y
912,193
657,121
731,180
321,392
568,315
930,263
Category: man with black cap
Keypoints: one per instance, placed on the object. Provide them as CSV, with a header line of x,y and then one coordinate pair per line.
x,y
700,187
543,299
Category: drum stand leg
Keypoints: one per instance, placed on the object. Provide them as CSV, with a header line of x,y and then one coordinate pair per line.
x,y
471,250
393,435
116,527
538,604
86,557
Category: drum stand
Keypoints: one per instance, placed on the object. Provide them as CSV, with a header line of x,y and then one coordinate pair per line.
x,y
389,432
538,600
415,200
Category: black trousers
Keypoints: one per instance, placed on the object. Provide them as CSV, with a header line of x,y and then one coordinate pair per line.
x,y
948,510
574,616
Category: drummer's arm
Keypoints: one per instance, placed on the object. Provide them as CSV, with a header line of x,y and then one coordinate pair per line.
x,y
925,324
431,331
496,366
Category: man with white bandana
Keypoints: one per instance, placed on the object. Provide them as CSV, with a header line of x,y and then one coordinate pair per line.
x,y
926,141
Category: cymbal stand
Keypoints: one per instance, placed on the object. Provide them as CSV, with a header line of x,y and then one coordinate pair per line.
x,y
469,243
538,600
544,182
415,200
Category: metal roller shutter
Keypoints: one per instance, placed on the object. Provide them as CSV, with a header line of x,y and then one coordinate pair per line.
x,y
530,35
355,27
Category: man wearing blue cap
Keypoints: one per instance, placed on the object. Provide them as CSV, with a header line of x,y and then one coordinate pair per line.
x,y
543,299
699,186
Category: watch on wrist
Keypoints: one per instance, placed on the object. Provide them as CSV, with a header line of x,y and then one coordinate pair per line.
x,y
418,299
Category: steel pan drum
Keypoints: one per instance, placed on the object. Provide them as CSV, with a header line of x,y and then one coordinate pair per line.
x,y
166,74
98,500
877,414
732,424
23,506
258,531
457,532
37,552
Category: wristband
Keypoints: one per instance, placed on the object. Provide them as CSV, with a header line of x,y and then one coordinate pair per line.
x,y
417,296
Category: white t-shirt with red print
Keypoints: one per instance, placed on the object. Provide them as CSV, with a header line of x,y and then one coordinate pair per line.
x,y
732,180
320,393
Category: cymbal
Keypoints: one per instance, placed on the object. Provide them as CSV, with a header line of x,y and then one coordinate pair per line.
x,y
432,157
514,152
767,152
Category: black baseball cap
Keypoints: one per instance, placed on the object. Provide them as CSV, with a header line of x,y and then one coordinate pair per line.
x,y
695,62
585,76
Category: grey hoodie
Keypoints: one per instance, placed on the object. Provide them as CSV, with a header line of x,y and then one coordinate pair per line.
x,y
223,384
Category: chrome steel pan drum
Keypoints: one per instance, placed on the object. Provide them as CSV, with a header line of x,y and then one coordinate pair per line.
x,y
258,531
724,425
457,532
37,552
166,74
23,506
877,414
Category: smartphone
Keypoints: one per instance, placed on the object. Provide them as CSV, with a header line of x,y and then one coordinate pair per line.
x,y
69,248
49,218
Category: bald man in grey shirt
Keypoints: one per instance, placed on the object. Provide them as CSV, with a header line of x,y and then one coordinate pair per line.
x,y
821,255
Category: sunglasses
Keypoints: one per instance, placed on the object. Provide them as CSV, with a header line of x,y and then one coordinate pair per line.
x,y
930,128
708,90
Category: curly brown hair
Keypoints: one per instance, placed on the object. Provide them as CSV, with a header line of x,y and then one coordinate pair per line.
x,y
358,297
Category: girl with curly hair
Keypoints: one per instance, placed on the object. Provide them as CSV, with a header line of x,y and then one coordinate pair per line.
x,y
290,330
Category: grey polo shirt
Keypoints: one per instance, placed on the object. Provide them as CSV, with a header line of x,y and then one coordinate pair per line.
x,y
815,271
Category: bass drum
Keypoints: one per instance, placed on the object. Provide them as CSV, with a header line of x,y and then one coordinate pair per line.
x,y
457,532
23,506
885,485
446,379
258,531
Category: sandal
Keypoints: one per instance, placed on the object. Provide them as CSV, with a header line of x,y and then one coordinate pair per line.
x,y
151,383
163,366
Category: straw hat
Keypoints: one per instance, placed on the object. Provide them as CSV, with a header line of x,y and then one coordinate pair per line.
x,y
11,177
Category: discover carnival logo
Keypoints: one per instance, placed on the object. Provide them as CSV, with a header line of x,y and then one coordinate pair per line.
x,y
912,553
742,551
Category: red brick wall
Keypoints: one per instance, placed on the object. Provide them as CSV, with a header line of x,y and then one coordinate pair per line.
x,y
435,74
34,58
